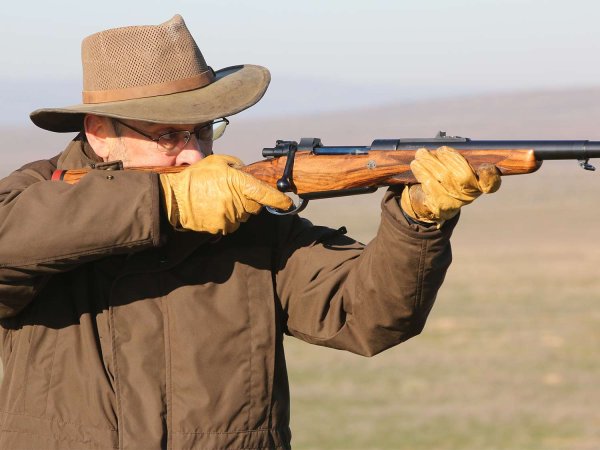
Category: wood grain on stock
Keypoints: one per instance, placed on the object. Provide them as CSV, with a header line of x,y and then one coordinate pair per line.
x,y
319,173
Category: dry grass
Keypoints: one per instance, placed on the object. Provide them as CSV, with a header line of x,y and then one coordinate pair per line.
x,y
509,358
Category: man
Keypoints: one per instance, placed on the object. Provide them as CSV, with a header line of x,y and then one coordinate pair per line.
x,y
146,311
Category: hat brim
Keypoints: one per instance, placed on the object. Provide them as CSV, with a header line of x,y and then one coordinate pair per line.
x,y
233,90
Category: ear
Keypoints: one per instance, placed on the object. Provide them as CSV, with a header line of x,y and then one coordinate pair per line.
x,y
99,131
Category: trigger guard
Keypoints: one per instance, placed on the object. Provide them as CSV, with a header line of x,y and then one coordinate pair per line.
x,y
295,209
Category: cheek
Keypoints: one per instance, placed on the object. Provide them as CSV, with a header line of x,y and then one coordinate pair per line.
x,y
144,155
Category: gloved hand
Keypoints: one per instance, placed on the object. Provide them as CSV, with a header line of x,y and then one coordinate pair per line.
x,y
447,182
213,196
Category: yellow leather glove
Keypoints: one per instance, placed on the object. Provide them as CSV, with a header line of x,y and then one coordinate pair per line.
x,y
214,197
447,182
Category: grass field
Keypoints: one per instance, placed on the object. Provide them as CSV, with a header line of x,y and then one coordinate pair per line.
x,y
510,356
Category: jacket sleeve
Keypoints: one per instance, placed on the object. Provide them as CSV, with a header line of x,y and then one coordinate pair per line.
x,y
48,227
338,293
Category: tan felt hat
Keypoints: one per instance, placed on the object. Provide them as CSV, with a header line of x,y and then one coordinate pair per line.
x,y
154,73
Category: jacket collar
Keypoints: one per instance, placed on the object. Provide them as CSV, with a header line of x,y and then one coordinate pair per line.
x,y
77,155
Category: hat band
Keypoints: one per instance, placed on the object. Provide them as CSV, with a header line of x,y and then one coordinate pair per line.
x,y
152,90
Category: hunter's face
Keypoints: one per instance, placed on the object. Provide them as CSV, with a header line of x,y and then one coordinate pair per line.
x,y
143,144
163,145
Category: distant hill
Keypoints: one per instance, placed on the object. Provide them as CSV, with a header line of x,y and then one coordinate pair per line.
x,y
563,114
286,95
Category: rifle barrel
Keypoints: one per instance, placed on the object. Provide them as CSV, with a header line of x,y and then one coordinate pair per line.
x,y
543,149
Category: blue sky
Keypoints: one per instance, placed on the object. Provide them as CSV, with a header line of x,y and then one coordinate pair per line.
x,y
344,52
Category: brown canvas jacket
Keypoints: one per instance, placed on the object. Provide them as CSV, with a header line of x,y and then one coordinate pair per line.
x,y
117,332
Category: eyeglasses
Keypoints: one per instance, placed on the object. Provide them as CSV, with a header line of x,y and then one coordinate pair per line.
x,y
173,142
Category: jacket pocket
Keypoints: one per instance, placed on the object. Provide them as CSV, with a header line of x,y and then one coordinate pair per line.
x,y
222,340
16,347
40,364
28,353
6,343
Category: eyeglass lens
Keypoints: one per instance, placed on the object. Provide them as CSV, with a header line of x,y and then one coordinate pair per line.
x,y
179,139
213,131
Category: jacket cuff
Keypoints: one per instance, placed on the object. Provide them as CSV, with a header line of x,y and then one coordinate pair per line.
x,y
393,213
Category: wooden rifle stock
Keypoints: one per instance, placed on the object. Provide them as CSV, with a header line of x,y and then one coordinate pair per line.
x,y
315,174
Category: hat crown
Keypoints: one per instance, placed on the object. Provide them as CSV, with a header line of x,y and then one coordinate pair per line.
x,y
154,73
118,62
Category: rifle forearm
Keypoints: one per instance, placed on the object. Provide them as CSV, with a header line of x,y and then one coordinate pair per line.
x,y
323,173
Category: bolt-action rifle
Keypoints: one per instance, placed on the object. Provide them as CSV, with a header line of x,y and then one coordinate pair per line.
x,y
312,171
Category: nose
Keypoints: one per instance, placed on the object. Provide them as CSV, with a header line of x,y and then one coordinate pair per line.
x,y
193,152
